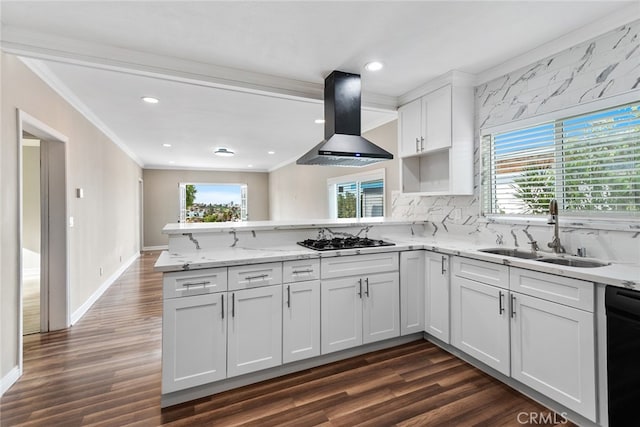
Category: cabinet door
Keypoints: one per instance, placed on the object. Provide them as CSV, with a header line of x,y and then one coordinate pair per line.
x,y
255,329
436,109
410,128
436,301
381,310
301,321
194,344
480,322
553,352
341,314
411,292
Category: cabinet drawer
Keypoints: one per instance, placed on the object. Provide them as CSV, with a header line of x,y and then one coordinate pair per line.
x,y
563,290
194,282
355,265
300,270
481,271
255,275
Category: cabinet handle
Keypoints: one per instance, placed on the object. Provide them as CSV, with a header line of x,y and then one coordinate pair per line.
x,y
513,306
289,296
366,292
417,145
260,276
302,271
203,283
233,305
422,143
443,268
360,287
500,302
222,303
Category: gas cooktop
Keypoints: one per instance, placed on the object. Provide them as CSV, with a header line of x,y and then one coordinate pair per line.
x,y
343,243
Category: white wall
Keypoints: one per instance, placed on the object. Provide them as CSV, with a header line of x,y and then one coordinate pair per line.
x,y
300,191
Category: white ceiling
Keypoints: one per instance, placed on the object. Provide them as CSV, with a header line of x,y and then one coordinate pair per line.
x,y
248,75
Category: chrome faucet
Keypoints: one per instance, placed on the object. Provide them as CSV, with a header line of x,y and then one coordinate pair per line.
x,y
553,219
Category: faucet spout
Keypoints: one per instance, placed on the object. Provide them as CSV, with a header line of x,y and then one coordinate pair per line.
x,y
553,219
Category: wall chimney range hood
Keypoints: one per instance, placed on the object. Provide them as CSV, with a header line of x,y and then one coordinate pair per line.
x,y
342,144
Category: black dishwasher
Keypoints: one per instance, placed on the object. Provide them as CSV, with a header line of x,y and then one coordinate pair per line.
x,y
623,355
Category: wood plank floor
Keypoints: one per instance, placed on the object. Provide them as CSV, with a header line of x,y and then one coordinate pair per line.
x,y
105,371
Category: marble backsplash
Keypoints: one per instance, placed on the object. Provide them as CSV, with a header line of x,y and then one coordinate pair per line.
x,y
604,66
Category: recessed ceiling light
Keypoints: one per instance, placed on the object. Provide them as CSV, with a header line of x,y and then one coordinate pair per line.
x,y
271,152
373,66
223,152
166,145
171,162
249,166
319,121
150,99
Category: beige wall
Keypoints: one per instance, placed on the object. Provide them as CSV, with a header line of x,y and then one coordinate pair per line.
x,y
106,221
31,199
161,197
300,192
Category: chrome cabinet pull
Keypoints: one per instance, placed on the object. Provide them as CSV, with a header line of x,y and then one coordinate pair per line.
x,y
203,283
302,271
366,292
260,276
233,305
360,287
443,261
289,296
422,143
500,302
513,306
222,304
417,145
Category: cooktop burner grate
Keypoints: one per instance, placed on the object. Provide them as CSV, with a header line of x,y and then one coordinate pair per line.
x,y
343,243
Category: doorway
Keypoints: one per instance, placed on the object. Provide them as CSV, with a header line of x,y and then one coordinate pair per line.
x,y
43,266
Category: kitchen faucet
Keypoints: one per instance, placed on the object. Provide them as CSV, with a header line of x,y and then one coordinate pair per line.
x,y
553,219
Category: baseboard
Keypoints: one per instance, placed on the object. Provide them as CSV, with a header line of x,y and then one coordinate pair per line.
x,y
8,380
156,248
77,315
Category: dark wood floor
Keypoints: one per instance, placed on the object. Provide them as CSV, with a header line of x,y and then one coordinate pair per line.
x,y
105,371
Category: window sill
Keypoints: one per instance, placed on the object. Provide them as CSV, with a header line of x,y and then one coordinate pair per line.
x,y
614,224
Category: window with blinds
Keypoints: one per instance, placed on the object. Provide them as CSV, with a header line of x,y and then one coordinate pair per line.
x,y
357,196
590,163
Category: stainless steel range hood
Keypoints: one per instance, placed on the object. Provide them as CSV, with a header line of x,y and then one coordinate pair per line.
x,y
342,144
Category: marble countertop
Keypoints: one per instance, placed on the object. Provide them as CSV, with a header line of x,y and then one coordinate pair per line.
x,y
225,227
623,275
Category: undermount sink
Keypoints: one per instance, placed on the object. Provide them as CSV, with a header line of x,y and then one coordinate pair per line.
x,y
510,252
573,262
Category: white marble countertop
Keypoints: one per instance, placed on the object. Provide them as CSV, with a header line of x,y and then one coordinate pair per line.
x,y
225,227
623,275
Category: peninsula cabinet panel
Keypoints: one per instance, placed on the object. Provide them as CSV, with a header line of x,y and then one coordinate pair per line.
x,y
480,322
436,300
341,314
412,292
254,330
553,352
381,307
194,345
301,321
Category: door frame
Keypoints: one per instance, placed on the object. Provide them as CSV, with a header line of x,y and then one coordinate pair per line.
x,y
55,247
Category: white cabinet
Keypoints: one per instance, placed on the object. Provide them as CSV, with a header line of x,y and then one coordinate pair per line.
x,y
359,310
194,341
480,322
254,338
435,141
436,297
301,321
412,287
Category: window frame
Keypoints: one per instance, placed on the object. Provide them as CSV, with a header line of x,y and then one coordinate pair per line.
x,y
600,220
244,199
377,174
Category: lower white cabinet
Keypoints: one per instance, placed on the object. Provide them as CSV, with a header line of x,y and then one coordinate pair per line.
x,y
300,321
412,286
254,340
553,351
357,310
437,296
194,343
480,322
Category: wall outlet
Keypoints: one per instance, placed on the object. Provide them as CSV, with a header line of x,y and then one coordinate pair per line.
x,y
456,214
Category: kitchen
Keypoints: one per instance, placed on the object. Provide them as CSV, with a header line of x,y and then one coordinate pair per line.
x,y
103,212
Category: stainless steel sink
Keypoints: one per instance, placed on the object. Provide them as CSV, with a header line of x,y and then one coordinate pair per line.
x,y
573,262
511,252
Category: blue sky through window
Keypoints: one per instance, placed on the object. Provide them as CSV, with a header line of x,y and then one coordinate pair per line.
x,y
217,194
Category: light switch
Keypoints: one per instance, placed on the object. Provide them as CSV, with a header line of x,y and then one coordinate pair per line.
x,y
71,221
79,193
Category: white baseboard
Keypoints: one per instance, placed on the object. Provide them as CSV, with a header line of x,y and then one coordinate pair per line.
x,y
156,248
8,380
77,315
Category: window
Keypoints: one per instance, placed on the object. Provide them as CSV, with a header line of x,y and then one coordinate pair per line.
x,y
590,163
213,202
357,196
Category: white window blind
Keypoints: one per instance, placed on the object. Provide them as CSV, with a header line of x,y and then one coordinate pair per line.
x,y
357,196
590,163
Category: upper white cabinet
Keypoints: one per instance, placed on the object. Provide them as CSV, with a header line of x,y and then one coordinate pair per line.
x,y
435,140
411,292
436,300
